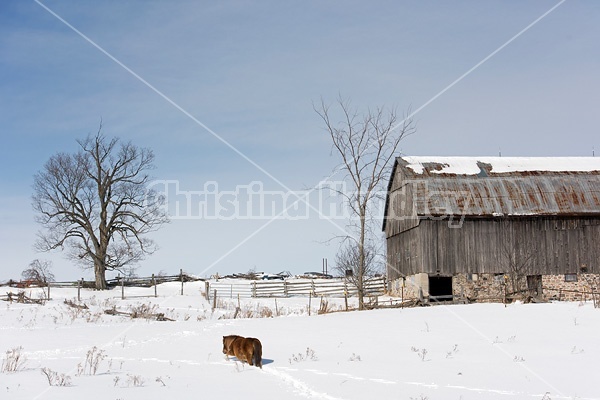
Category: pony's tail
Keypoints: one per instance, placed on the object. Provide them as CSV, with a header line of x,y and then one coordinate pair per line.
x,y
257,353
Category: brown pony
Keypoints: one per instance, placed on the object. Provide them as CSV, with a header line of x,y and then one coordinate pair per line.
x,y
244,349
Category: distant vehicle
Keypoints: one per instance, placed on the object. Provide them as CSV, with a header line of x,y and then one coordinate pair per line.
x,y
317,275
270,277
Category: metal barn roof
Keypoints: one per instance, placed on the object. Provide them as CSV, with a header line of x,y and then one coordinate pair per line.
x,y
501,186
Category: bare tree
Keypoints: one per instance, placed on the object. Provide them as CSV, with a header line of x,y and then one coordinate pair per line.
x,y
517,257
518,265
593,282
95,204
347,262
367,145
39,271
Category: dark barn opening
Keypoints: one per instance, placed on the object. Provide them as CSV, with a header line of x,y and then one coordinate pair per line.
x,y
534,285
440,287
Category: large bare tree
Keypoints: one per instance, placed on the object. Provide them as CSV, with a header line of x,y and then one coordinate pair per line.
x,y
367,144
95,204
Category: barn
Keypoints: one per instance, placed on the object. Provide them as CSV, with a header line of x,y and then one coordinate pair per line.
x,y
479,228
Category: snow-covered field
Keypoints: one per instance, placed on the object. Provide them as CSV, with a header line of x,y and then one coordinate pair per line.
x,y
479,351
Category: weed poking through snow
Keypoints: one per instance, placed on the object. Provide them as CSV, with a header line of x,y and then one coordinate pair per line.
x,y
160,380
93,359
56,379
309,355
450,354
14,360
422,353
135,380
575,350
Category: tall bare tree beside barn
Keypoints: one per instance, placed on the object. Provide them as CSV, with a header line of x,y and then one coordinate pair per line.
x,y
515,257
95,204
367,144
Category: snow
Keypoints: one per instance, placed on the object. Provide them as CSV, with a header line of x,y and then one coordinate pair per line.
x,y
477,351
468,165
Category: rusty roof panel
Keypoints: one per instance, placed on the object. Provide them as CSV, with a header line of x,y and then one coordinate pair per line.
x,y
494,186
507,195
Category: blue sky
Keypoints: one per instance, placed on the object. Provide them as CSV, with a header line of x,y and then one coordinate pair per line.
x,y
251,72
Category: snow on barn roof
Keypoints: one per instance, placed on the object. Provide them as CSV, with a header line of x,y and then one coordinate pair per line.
x,y
499,165
497,186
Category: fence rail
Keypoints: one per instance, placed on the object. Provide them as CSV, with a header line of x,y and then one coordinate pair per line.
x,y
293,288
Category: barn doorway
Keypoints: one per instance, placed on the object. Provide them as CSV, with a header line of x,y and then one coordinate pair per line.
x,y
534,285
440,288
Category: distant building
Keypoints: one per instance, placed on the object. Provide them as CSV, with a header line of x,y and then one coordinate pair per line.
x,y
478,228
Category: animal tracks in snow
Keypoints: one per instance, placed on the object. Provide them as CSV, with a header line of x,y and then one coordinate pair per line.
x,y
342,375
299,386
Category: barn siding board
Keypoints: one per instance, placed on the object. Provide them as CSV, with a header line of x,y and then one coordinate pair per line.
x,y
592,234
484,246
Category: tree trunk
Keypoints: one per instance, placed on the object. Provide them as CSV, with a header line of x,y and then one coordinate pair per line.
x,y
361,264
100,264
100,275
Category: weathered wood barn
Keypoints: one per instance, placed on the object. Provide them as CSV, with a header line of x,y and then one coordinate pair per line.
x,y
479,226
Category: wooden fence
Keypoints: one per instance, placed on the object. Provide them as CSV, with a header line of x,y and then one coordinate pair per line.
x,y
228,288
145,282
292,288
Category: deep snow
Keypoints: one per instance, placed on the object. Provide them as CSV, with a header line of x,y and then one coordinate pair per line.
x,y
477,351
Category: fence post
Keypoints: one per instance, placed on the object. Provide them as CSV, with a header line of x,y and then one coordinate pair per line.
x,y
181,277
79,285
122,287
346,299
215,300
309,302
386,285
154,284
207,290
48,284
402,296
253,288
285,289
